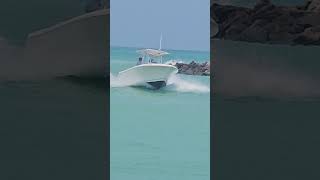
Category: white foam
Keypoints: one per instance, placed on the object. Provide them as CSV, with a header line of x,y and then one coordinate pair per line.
x,y
174,61
175,83
181,85
116,82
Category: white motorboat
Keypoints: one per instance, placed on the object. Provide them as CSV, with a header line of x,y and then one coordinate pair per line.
x,y
68,41
149,71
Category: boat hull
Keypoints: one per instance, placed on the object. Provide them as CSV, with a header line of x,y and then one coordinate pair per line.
x,y
155,75
77,47
157,84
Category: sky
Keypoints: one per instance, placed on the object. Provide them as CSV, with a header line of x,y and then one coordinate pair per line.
x,y
184,24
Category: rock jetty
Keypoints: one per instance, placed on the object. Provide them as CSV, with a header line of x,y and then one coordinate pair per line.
x,y
93,5
268,23
193,68
214,28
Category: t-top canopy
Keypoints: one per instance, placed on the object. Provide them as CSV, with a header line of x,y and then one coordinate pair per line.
x,y
152,52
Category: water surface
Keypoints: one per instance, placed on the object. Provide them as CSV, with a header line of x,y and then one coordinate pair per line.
x,y
162,134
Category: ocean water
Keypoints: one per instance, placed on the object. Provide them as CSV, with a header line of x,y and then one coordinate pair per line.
x,y
53,128
159,134
266,111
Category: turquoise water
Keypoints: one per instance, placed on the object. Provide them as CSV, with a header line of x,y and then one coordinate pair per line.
x,y
52,129
266,111
162,134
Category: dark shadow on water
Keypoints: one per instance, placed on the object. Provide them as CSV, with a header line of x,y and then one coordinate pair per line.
x,y
18,84
150,89
170,89
95,82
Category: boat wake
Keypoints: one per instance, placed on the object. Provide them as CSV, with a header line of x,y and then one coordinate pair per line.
x,y
175,83
116,82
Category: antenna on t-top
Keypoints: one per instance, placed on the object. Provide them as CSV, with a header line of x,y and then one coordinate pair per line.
x,y
160,41
160,47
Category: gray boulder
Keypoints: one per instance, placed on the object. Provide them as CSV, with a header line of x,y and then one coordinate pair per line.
x,y
313,5
193,68
309,36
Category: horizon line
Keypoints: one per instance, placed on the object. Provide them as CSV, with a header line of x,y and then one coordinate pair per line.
x,y
122,46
